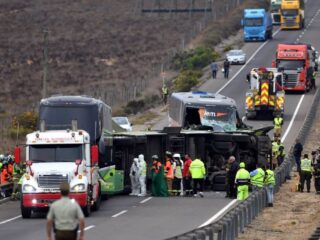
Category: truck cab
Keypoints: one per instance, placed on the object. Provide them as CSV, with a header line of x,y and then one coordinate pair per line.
x,y
257,25
275,6
292,14
57,156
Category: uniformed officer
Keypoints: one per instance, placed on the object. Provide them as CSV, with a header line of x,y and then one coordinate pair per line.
x,y
242,181
306,169
257,178
270,182
278,122
67,217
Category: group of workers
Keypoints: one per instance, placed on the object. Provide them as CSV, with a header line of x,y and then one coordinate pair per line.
x,y
10,172
175,177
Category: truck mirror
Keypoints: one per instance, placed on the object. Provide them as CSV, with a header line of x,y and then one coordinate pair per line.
x,y
94,154
17,154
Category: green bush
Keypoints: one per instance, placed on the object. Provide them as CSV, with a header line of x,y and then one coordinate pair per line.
x,y
186,80
227,48
23,124
136,106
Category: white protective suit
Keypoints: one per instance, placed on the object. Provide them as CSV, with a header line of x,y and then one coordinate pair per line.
x,y
142,175
134,177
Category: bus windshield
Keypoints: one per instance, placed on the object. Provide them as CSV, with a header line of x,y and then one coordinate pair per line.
x,y
55,153
253,22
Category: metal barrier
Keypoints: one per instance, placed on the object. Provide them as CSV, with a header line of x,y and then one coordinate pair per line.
x,y
234,221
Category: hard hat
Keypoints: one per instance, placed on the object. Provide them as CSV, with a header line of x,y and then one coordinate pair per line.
x,y
242,165
1,156
168,153
177,155
155,157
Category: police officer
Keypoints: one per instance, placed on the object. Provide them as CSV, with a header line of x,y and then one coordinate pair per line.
x,y
269,182
242,181
278,122
66,216
257,178
306,169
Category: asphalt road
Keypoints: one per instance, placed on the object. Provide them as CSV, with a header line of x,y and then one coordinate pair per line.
x,y
124,217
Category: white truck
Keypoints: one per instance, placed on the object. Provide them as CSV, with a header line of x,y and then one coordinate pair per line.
x,y
57,156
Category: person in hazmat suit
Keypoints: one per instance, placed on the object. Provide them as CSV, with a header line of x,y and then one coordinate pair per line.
x,y
142,175
134,177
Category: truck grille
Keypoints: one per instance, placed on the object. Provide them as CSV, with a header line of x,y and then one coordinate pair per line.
x,y
51,181
292,79
290,22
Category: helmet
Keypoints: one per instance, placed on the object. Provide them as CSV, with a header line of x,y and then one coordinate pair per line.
x,y
155,157
177,155
1,156
141,157
242,165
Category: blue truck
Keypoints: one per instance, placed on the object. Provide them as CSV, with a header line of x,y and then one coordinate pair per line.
x,y
257,25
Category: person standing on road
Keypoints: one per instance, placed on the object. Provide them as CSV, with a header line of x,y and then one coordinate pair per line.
x,y
168,169
135,186
226,67
186,175
257,178
242,181
177,173
306,169
214,69
142,176
297,150
233,169
278,122
159,185
198,173
164,94
269,182
65,216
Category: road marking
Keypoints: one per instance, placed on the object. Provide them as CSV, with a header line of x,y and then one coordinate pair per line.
x,y
248,61
10,219
120,213
219,214
292,119
146,200
243,118
89,227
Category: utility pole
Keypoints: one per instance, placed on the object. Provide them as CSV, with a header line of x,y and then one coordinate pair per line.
x,y
45,63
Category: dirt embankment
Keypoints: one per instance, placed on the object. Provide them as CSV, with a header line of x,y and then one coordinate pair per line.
x,y
295,215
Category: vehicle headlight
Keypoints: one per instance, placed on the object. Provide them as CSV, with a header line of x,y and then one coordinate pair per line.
x,y
28,188
79,187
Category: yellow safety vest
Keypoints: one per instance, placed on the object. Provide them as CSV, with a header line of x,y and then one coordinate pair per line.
x,y
269,177
278,121
306,165
258,179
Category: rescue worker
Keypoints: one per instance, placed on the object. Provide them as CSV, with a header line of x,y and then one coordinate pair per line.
x,y
306,169
5,176
142,176
198,173
177,173
316,174
297,150
10,164
135,186
186,175
313,81
17,173
257,178
168,169
278,122
269,182
231,174
164,94
275,149
65,216
159,185
281,154
242,181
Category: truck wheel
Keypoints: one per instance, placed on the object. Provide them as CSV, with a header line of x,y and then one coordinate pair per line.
x,y
87,208
97,203
25,211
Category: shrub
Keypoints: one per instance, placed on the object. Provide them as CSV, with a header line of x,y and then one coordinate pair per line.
x,y
227,48
186,80
25,123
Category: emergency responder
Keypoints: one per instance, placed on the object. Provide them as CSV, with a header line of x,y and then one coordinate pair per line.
x,y
231,174
242,182
275,149
5,176
198,173
281,154
168,169
134,178
164,94
313,81
177,173
10,164
186,175
65,216
297,150
269,182
142,176
316,174
257,177
306,169
278,122
17,174
159,185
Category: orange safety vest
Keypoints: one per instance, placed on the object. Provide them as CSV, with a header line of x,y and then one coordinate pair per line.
x,y
4,176
10,168
168,169
155,166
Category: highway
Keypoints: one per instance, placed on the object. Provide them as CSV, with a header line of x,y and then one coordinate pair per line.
x,y
133,218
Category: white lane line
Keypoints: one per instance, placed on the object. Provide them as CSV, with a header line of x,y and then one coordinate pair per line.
x,y
292,119
120,213
218,214
146,200
89,227
10,219
248,61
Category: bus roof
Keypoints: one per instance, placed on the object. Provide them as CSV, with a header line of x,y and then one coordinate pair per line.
x,y
205,98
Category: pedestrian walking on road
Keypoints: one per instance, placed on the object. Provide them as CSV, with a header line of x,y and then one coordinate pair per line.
x,y
269,182
134,177
159,185
168,169
65,217
297,150
214,69
186,175
226,67
198,173
242,181
231,174
257,178
142,176
306,170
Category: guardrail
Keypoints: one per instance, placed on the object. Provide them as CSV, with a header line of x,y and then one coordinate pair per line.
x,y
234,221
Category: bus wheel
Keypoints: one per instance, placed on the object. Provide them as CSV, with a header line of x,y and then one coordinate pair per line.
x,y
87,208
97,203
